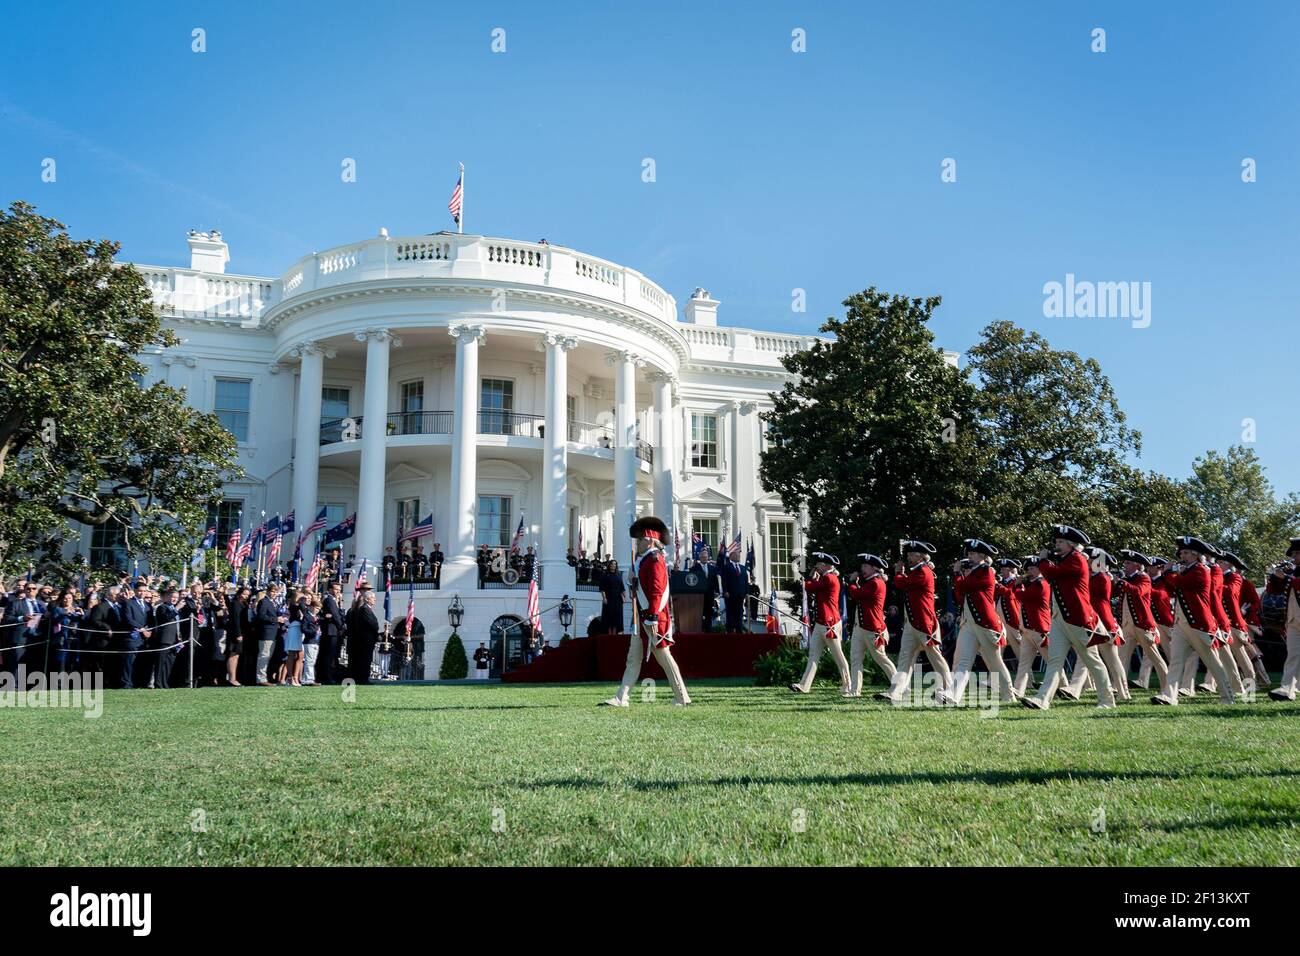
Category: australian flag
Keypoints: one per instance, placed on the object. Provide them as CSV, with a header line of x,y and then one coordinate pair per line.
x,y
343,530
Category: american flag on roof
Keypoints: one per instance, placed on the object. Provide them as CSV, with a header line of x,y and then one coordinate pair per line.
x,y
458,197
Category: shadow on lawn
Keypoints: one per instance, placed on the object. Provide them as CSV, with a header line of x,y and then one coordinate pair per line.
x,y
932,777
475,707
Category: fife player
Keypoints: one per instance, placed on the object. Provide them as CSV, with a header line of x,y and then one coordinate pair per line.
x,y
823,587
920,623
649,582
867,591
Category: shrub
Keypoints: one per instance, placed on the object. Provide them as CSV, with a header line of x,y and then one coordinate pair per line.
x,y
455,665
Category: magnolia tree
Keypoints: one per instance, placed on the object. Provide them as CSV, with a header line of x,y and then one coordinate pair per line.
x,y
81,441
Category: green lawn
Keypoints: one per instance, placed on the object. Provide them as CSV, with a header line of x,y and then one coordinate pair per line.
x,y
422,774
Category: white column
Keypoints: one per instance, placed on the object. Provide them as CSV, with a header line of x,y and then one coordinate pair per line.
x,y
374,434
665,443
460,570
556,573
625,462
306,456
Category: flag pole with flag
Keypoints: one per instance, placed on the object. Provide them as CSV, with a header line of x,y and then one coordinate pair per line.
x,y
457,204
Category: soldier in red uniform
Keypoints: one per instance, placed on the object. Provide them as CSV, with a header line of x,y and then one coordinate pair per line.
x,y
1232,567
1108,638
1248,603
1283,579
1137,622
1162,609
1035,622
915,579
1007,594
1195,625
1222,645
649,582
823,587
1074,622
867,592
981,627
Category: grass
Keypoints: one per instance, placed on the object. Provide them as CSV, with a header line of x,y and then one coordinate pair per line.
x,y
510,774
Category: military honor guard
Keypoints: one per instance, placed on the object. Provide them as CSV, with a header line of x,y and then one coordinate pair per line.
x,y
1035,596
823,587
1137,619
1195,630
649,582
914,577
1108,637
1074,622
981,630
1233,577
867,592
1284,581
1007,594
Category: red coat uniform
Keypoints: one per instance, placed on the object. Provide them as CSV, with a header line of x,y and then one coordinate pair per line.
x,y
1250,599
975,592
652,595
1068,577
1232,599
1136,594
1036,605
869,595
1008,596
824,596
1162,608
1216,599
1099,595
917,585
1192,592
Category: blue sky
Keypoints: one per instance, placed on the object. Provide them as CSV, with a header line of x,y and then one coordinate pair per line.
x,y
775,170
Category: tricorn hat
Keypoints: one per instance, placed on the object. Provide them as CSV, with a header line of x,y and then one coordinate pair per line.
x,y
1073,535
980,547
1158,562
648,527
1008,563
1235,561
1137,557
1108,559
823,556
918,546
1192,543
868,558
1295,546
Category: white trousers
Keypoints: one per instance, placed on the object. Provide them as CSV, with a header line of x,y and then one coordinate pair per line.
x,y
974,639
664,655
823,640
1064,637
1227,660
862,644
913,643
1031,642
310,650
1188,642
1166,642
1152,659
1109,655
1291,669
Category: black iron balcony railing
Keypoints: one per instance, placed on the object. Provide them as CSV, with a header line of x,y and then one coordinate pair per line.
x,y
515,424
397,423
587,433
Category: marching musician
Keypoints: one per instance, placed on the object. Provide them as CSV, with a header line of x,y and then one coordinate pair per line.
x,y
1232,567
823,587
1108,637
866,588
1283,579
1222,645
1074,622
982,629
1008,600
1195,625
914,576
1137,617
1035,596
649,581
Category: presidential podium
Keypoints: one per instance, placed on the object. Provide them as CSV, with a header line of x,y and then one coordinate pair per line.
x,y
689,589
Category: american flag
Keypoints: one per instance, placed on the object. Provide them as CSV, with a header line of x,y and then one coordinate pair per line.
x,y
519,535
232,545
313,574
410,607
421,529
735,546
273,554
318,524
534,614
457,196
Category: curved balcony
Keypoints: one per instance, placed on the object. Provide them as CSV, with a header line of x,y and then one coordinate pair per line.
x,y
398,423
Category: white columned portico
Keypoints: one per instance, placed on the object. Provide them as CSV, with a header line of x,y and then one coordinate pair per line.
x,y
665,446
460,570
306,455
374,433
625,463
556,573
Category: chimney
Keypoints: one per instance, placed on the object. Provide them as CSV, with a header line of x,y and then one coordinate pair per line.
x,y
700,309
208,252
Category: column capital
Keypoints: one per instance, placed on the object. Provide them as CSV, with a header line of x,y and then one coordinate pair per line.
x,y
560,340
303,349
659,376
468,330
743,408
174,358
613,358
378,335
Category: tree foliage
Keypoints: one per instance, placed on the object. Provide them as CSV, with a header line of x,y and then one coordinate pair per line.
x,y
80,439
1240,509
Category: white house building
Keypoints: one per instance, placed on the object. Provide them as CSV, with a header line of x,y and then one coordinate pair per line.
x,y
482,380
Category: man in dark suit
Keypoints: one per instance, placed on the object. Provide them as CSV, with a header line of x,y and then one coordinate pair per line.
x,y
166,635
435,564
136,616
331,634
267,620
23,627
363,634
733,578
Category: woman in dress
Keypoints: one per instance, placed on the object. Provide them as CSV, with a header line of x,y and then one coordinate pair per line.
x,y
291,668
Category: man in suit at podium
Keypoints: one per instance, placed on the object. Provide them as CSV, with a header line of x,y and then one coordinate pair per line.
x,y
733,579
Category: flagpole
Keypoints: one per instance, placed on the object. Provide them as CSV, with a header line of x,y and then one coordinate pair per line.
x,y
460,226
